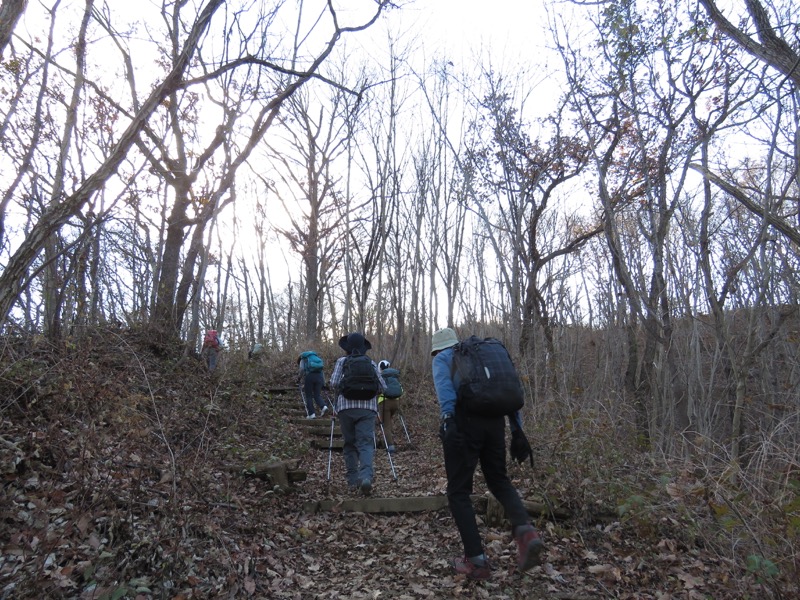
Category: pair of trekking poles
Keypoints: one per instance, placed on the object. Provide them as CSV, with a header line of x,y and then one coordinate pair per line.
x,y
385,443
383,433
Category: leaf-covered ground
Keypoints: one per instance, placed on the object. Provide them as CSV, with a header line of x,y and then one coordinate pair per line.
x,y
123,477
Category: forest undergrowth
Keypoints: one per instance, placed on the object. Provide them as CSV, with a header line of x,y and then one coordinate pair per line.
x,y
125,476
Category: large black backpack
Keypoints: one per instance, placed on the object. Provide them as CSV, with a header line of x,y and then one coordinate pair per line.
x,y
488,382
359,379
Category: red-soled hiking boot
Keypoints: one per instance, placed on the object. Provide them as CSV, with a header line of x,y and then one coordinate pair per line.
x,y
465,566
529,547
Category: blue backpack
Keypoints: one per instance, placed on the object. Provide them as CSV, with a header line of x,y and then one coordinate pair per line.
x,y
488,382
393,387
314,362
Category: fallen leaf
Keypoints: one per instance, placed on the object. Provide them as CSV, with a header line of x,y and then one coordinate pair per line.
x,y
250,586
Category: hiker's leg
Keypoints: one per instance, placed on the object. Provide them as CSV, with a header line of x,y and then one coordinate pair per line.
x,y
389,409
493,465
308,391
316,384
460,459
384,414
212,359
349,451
365,430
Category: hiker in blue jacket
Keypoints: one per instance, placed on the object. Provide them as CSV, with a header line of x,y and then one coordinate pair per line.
x,y
312,379
468,439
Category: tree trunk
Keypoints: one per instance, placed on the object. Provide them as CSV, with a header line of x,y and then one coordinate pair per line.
x,y
14,276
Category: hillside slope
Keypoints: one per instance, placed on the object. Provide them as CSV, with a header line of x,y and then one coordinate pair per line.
x,y
125,475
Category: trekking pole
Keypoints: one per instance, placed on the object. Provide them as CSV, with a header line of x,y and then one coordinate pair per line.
x,y
327,396
389,454
403,422
303,398
330,446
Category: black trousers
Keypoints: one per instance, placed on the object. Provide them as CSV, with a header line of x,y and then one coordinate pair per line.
x,y
478,440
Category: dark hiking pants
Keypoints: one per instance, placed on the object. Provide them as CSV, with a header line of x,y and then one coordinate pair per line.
x,y
478,440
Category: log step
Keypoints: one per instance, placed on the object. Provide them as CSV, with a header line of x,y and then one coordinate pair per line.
x,y
422,504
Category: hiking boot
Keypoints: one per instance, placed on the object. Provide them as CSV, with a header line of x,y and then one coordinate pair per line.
x,y
465,566
366,487
312,416
324,410
529,547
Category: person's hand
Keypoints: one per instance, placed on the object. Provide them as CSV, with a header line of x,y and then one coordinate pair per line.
x,y
519,448
448,429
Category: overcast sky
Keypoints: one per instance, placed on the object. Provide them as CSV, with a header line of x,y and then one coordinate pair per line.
x,y
505,25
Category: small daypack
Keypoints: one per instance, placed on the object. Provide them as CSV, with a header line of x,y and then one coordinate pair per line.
x,y
489,385
211,340
314,362
393,387
359,379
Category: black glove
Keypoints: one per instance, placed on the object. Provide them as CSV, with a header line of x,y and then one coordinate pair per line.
x,y
519,448
448,430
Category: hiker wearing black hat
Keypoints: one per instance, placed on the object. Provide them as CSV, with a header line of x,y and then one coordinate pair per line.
x,y
357,382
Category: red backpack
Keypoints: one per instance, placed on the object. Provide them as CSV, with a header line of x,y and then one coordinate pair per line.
x,y
211,340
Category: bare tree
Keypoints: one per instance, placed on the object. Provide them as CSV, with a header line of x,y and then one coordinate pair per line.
x,y
314,140
200,189
523,179
766,43
381,158
15,275
10,12
643,138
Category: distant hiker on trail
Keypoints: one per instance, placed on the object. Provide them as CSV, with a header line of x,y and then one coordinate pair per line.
x,y
469,438
389,401
257,351
312,378
357,383
211,348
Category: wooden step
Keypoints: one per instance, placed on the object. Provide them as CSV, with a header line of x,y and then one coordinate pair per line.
x,y
324,444
425,504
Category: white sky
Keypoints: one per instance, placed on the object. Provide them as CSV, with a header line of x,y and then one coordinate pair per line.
x,y
509,35
511,27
